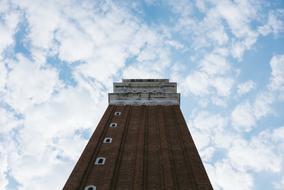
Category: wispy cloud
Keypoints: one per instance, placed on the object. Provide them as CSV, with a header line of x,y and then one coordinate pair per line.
x,y
245,87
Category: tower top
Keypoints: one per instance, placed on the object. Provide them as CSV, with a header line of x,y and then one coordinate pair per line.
x,y
144,92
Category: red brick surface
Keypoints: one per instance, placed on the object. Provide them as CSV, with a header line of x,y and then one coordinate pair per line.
x,y
151,149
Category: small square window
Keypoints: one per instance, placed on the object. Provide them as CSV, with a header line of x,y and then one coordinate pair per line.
x,y
100,161
117,113
113,125
107,140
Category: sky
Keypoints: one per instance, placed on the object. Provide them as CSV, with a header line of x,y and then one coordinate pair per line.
x,y
58,60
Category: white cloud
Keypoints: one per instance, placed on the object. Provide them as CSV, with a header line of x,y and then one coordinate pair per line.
x,y
244,158
94,33
196,83
224,176
141,71
51,175
3,75
73,36
53,125
277,75
8,151
223,85
207,153
243,117
103,51
201,5
245,87
152,61
263,104
8,121
279,185
213,77
255,155
215,63
8,25
239,47
237,15
3,166
43,20
278,134
106,63
220,36
29,84
273,25
78,33
204,126
219,101
206,121
201,84
212,30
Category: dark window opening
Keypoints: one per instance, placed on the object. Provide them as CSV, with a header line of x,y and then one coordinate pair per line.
x,y
100,161
108,140
117,113
90,187
113,125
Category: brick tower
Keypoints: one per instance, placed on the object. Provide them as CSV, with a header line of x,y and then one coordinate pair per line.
x,y
141,142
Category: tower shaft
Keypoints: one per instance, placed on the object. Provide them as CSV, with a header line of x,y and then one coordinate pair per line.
x,y
140,145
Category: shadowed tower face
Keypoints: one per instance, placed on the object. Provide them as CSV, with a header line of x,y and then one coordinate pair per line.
x,y
141,142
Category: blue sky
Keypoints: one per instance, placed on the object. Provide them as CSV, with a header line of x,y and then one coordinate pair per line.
x,y
58,60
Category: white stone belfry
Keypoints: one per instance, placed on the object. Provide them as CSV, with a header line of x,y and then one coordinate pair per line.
x,y
144,92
